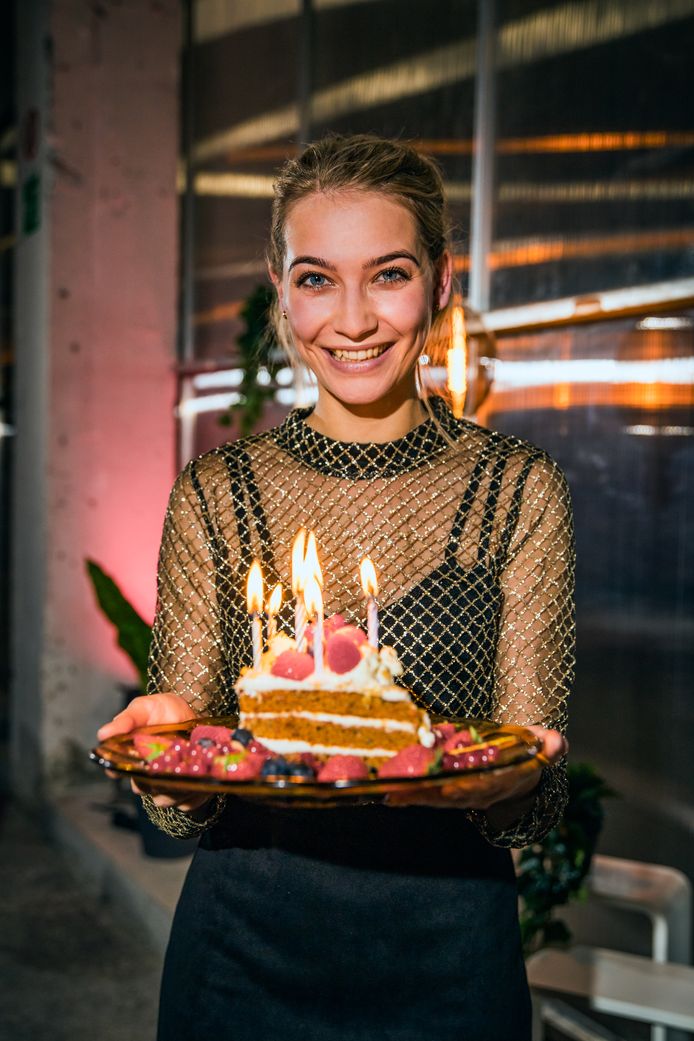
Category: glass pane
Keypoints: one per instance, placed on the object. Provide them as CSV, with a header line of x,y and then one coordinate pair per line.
x,y
244,93
595,169
613,403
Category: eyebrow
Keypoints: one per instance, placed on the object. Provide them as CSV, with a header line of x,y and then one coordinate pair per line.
x,y
399,254
315,261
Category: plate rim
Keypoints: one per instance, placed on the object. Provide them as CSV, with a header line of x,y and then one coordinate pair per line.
x,y
530,750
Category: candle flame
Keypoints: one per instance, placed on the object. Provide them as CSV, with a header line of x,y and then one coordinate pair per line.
x,y
367,573
311,562
254,588
313,596
275,601
298,552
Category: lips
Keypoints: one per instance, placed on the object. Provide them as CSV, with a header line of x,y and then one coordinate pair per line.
x,y
362,354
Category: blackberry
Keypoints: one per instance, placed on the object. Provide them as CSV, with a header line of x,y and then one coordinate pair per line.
x,y
243,737
302,771
277,766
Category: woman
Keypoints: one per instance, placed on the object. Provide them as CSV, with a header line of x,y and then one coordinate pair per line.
x,y
378,921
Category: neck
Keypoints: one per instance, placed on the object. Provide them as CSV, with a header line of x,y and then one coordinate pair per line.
x,y
374,423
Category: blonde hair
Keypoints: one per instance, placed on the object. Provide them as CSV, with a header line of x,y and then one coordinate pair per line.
x,y
365,162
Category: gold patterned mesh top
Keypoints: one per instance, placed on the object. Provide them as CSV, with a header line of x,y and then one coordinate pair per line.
x,y
471,533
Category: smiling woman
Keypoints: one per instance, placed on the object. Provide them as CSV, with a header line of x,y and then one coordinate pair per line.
x,y
359,292
384,920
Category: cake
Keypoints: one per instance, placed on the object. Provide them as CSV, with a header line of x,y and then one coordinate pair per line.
x,y
353,706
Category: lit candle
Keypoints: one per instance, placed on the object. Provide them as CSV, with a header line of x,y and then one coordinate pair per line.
x,y
311,559
314,608
369,584
273,608
254,601
298,582
457,363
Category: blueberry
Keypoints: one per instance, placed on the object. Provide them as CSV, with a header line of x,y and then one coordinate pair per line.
x,y
302,771
277,766
244,737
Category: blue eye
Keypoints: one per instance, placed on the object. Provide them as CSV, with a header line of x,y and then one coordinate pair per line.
x,y
391,275
312,279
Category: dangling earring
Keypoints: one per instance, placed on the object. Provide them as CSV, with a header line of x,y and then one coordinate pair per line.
x,y
284,314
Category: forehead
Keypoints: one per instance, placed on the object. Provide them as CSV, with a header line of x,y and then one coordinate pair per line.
x,y
349,225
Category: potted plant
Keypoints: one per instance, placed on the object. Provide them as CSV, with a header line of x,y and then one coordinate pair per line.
x,y
553,872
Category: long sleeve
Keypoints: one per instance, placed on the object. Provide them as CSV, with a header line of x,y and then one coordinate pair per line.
x,y
187,653
535,650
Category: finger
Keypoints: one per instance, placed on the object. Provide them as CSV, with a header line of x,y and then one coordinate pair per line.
x,y
123,723
554,744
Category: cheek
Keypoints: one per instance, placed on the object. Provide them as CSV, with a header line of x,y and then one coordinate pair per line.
x,y
407,313
309,314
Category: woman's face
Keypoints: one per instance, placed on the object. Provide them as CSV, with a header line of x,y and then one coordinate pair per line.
x,y
359,292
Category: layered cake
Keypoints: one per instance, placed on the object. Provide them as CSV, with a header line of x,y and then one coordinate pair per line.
x,y
352,706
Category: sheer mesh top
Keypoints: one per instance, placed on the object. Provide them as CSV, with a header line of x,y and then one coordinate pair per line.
x,y
472,538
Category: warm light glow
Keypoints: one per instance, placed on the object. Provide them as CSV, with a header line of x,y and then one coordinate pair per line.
x,y
254,588
275,601
311,562
611,141
457,362
562,396
298,553
367,574
313,597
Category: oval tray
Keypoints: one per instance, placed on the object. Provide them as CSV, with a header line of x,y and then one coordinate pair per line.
x,y
519,753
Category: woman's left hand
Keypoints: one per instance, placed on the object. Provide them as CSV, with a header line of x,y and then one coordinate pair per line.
x,y
505,798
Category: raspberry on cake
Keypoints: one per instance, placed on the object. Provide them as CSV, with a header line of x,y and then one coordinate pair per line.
x,y
353,706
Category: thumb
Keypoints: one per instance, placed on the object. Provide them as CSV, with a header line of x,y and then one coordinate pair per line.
x,y
123,723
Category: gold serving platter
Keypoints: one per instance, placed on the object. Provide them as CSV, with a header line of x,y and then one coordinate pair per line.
x,y
519,752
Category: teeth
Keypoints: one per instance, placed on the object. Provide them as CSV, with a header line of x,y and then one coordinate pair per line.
x,y
372,352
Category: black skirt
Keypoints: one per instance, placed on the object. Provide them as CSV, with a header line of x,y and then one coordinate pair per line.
x,y
356,924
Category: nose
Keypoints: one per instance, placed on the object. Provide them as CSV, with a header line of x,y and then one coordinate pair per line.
x,y
355,318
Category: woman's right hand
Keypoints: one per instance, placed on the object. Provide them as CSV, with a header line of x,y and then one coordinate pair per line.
x,y
152,710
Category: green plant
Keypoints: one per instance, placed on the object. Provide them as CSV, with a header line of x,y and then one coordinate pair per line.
x,y
553,872
256,354
134,633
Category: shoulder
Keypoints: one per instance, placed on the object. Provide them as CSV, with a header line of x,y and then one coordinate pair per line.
x,y
529,474
495,445
213,472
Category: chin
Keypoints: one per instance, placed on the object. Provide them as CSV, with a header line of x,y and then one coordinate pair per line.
x,y
355,391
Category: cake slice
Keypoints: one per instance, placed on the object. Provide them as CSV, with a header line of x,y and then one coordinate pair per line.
x,y
352,707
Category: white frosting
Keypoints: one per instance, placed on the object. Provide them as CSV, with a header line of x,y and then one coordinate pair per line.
x,y
387,725
284,746
375,673
426,735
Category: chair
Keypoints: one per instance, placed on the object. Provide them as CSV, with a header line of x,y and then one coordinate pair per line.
x,y
658,989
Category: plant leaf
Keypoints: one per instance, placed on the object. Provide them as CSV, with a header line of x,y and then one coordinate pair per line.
x,y
133,632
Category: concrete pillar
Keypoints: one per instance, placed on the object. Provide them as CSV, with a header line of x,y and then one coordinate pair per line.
x,y
95,342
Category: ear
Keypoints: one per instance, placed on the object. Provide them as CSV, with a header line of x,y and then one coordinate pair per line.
x,y
444,281
277,283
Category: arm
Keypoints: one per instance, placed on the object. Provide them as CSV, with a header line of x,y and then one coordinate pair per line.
x,y
535,651
186,656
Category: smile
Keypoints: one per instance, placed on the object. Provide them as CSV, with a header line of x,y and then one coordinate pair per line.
x,y
364,354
